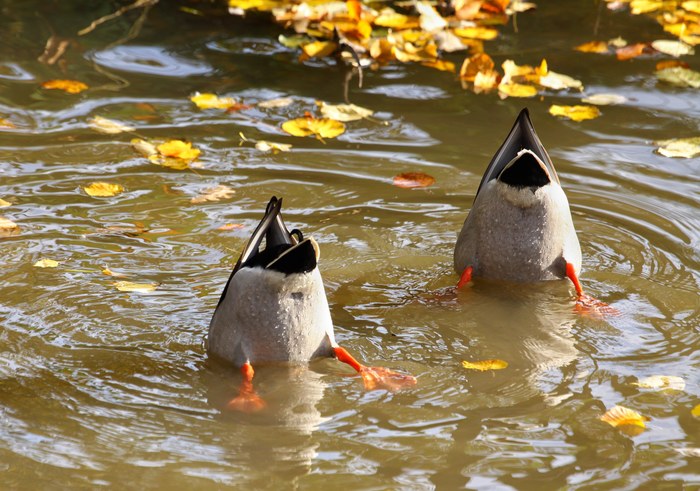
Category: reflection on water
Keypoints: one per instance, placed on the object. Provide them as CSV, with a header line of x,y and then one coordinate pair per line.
x,y
105,388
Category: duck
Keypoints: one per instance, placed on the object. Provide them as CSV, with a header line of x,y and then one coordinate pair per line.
x,y
520,228
274,309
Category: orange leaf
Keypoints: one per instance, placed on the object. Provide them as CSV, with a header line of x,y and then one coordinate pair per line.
x,y
443,65
230,226
70,86
480,62
631,51
178,149
662,65
413,180
593,47
354,9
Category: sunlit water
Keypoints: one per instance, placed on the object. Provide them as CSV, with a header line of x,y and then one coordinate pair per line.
x,y
104,388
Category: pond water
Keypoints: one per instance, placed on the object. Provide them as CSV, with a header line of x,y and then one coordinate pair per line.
x,y
103,388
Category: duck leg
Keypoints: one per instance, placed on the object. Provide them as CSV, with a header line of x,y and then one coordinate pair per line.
x,y
586,304
466,277
376,377
247,400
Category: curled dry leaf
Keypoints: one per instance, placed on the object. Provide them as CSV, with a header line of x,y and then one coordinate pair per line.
x,y
217,193
8,227
575,113
483,365
319,127
558,81
129,286
475,64
70,86
46,263
108,126
413,180
212,101
605,99
672,48
4,204
343,112
661,382
103,189
626,420
274,103
266,146
679,147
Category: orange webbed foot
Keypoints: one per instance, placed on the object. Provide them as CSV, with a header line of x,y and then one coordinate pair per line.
x,y
246,402
587,305
383,378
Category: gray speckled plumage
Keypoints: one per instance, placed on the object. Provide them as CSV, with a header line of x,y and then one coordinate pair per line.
x,y
274,307
520,227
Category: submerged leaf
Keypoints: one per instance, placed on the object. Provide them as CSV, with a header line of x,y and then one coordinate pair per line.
x,y
679,147
8,227
129,286
108,126
103,189
46,263
604,99
575,113
212,101
680,77
145,148
230,226
217,193
661,382
70,86
273,103
343,112
483,365
626,420
266,146
413,180
319,127
4,204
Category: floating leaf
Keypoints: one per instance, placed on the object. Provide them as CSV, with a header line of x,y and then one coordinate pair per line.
x,y
483,33
593,47
319,127
318,49
475,64
626,420
430,20
485,81
108,126
661,382
8,227
273,103
519,6
217,193
442,65
46,263
109,272
238,7
212,101
70,86
178,149
692,6
6,123
604,99
631,51
672,48
4,204
517,90
145,148
230,226
483,365
128,286
266,146
695,412
103,189
618,42
575,113
680,77
343,112
671,64
558,81
679,147
413,180
389,18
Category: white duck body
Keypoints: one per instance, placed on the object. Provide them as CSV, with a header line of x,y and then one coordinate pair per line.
x,y
274,307
520,227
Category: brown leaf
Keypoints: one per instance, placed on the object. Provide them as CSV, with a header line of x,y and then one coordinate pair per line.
x,y
413,180
631,51
480,62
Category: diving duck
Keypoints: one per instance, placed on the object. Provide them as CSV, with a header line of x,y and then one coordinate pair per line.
x,y
520,228
274,309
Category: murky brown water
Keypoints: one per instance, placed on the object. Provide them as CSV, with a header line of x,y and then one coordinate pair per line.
x,y
104,388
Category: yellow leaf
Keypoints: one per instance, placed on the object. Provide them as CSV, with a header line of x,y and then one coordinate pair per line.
x,y
646,6
70,86
442,65
413,180
430,20
679,147
266,146
4,204
626,420
128,286
318,49
485,81
217,193
484,365
483,33
319,127
109,272
517,90
575,113
46,263
343,112
107,126
6,123
558,81
661,382
102,189
243,5
178,149
389,18
593,47
691,6
475,64
212,101
8,227
695,412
